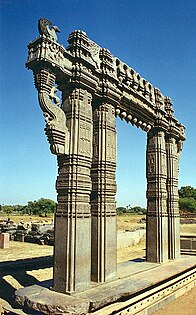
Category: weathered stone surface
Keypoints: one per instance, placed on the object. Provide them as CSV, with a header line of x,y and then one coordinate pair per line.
x,y
72,264
129,238
50,302
103,206
157,216
173,198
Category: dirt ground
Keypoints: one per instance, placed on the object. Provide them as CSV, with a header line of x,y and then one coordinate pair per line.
x,y
184,305
18,250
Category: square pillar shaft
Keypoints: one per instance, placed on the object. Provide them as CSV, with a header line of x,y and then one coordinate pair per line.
x,y
173,199
72,256
157,218
103,207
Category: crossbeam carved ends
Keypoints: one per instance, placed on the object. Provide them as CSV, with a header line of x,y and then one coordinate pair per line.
x,y
82,88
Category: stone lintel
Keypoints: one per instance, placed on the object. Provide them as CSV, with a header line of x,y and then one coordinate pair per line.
x,y
87,65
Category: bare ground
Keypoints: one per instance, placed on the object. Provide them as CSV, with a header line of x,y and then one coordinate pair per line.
x,y
184,305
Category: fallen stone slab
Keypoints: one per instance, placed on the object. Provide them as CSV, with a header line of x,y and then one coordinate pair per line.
x,y
50,302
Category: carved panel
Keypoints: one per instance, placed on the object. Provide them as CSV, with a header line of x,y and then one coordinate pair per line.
x,y
111,146
95,145
150,164
85,135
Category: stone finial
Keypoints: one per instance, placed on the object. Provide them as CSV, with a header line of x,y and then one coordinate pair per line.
x,y
159,101
182,132
169,107
45,28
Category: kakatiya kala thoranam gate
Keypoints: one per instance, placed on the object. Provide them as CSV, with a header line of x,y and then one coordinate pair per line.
x,y
81,130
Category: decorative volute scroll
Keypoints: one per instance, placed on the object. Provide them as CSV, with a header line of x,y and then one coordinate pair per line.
x,y
56,129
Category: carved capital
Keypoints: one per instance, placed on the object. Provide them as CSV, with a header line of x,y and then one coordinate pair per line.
x,y
56,129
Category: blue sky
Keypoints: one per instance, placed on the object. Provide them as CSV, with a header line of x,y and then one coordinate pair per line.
x,y
156,38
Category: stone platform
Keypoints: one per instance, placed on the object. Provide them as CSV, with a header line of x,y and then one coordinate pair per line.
x,y
139,285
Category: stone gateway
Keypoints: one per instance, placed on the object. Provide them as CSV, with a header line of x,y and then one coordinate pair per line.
x,y
81,129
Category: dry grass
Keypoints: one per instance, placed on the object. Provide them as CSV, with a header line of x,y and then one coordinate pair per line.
x,y
129,222
132,252
26,218
19,250
188,228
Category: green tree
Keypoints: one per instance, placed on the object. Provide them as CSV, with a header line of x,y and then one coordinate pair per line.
x,y
187,199
7,209
18,208
138,210
131,210
187,204
121,210
187,192
41,206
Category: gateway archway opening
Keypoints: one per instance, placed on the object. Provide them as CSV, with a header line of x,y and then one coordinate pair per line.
x,y
131,165
131,200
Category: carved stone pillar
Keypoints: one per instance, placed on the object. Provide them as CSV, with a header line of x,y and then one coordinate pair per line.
x,y
173,199
157,219
103,207
72,265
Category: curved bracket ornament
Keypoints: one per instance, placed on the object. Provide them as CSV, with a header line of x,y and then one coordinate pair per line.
x,y
56,129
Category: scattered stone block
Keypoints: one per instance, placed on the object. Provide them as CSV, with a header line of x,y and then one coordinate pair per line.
x,y
4,240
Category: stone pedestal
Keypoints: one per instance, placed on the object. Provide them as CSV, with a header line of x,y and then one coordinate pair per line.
x,y
157,218
103,207
4,240
72,254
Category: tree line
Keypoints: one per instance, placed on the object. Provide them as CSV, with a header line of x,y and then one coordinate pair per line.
x,y
187,203
43,206
187,199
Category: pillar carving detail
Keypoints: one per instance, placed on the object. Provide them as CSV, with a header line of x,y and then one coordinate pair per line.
x,y
173,198
103,205
72,267
157,217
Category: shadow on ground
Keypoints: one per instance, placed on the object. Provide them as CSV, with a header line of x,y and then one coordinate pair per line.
x,y
18,270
